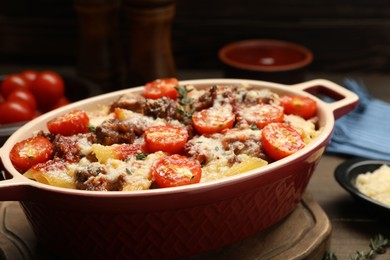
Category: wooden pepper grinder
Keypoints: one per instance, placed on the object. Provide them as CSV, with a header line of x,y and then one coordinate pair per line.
x,y
101,57
149,46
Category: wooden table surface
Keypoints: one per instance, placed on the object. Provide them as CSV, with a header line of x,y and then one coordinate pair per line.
x,y
352,225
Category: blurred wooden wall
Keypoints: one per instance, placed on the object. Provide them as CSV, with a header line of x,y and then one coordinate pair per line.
x,y
344,35
37,32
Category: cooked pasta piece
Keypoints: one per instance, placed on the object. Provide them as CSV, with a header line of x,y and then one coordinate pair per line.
x,y
249,164
115,151
54,173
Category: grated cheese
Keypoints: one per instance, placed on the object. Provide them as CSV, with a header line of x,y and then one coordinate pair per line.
x,y
376,184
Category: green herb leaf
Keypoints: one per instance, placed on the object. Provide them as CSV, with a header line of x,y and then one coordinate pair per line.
x,y
254,127
378,245
330,256
141,156
186,109
128,171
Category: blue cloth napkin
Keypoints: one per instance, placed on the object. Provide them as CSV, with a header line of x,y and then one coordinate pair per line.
x,y
365,132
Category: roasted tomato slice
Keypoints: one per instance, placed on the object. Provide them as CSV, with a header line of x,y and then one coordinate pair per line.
x,y
170,139
176,170
31,151
299,105
162,87
281,140
74,122
262,114
124,151
213,119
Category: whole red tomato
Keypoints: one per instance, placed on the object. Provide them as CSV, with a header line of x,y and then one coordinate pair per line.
x,y
48,88
15,111
13,82
24,95
30,75
62,102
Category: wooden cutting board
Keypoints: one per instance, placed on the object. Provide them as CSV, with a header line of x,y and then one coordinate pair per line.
x,y
304,234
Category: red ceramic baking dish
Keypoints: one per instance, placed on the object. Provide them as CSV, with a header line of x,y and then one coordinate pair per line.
x,y
171,222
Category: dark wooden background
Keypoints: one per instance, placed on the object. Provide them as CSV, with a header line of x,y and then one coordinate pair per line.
x,y
344,35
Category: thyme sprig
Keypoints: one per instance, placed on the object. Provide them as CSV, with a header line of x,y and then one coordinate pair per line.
x,y
183,95
378,245
186,108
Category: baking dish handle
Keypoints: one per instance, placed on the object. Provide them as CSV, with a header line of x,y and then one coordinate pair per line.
x,y
338,99
12,188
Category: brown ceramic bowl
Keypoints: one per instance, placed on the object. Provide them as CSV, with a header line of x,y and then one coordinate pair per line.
x,y
268,60
76,88
171,222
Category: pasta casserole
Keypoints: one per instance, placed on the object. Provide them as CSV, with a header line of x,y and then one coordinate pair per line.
x,y
169,135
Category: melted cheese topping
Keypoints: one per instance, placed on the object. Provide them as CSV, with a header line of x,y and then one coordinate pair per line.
x,y
307,129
